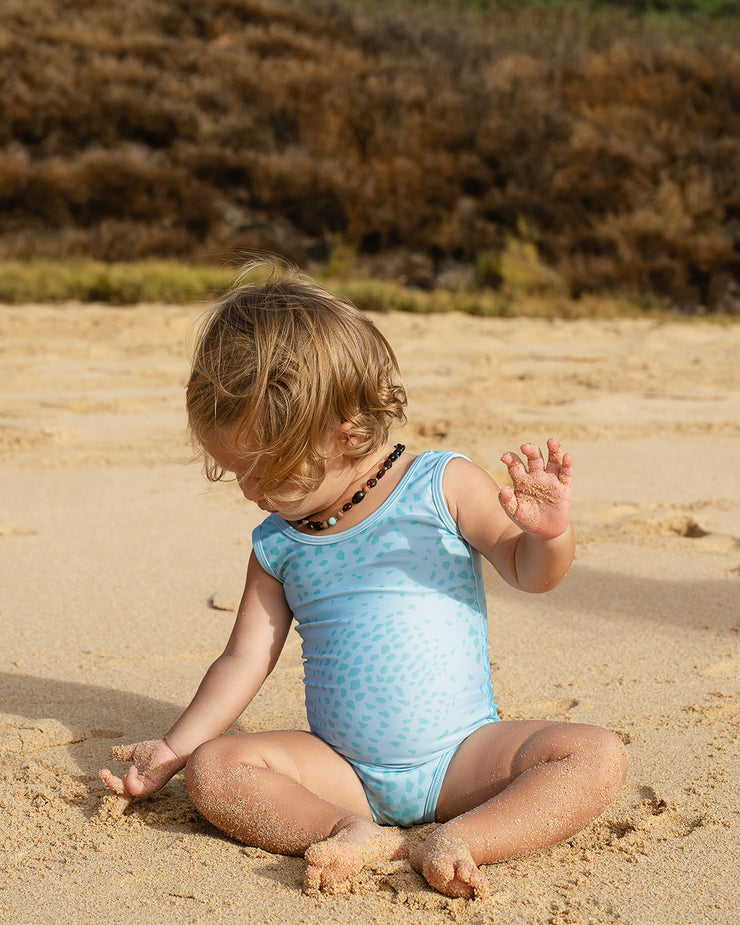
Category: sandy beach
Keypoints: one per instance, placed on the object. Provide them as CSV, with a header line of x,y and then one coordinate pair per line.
x,y
121,567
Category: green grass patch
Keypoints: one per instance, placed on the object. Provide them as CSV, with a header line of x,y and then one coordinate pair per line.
x,y
524,288
116,283
380,296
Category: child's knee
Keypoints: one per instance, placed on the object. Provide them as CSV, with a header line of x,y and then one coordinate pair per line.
x,y
220,767
612,764
202,771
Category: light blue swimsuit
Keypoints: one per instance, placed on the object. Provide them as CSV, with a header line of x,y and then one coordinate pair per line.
x,y
392,616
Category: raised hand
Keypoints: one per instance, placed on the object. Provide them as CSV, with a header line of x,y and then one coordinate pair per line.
x,y
539,502
153,764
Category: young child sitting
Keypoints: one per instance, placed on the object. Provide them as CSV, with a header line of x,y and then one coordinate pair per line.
x,y
375,552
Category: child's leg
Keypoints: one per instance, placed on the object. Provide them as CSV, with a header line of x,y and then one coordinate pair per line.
x,y
290,793
515,787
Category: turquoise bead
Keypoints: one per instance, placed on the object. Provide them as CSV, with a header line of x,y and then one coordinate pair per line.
x,y
331,521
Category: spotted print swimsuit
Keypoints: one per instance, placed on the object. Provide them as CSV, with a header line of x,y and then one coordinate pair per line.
x,y
392,617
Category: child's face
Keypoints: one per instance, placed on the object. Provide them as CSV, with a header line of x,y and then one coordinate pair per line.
x,y
331,493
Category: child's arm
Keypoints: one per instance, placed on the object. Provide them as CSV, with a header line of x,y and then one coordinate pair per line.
x,y
226,690
523,531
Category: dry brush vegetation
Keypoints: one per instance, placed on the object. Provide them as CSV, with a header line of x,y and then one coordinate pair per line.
x,y
607,144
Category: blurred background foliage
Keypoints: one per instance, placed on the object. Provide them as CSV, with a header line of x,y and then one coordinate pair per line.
x,y
559,148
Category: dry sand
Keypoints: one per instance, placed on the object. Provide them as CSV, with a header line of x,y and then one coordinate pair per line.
x,y
120,568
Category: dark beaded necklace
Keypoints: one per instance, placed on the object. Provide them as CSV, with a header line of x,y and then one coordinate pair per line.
x,y
356,497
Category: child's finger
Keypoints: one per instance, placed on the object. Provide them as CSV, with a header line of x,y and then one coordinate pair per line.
x,y
121,803
534,457
112,806
517,469
112,782
138,783
566,470
554,455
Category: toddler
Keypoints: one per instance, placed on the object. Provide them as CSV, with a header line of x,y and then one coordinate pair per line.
x,y
375,552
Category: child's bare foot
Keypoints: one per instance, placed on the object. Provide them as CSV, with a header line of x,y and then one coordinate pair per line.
x,y
355,843
447,865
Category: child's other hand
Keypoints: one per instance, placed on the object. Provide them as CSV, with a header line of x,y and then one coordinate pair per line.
x,y
539,502
153,764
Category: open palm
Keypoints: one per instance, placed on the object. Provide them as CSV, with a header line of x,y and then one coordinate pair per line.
x,y
539,500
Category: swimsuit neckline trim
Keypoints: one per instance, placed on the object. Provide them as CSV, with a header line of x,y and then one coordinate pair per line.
x,y
323,539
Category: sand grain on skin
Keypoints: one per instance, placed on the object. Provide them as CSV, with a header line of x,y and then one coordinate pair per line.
x,y
333,862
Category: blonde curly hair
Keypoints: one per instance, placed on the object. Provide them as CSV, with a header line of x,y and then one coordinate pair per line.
x,y
278,367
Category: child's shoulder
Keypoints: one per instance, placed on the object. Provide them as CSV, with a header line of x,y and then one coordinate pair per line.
x,y
459,468
465,483
448,461
447,475
432,464
432,459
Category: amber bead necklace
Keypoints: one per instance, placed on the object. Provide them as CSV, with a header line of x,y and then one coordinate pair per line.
x,y
358,496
